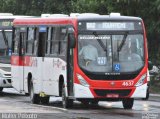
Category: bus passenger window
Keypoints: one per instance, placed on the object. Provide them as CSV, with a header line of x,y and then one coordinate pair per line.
x,y
35,44
48,42
63,41
16,40
54,48
63,48
58,41
30,41
41,44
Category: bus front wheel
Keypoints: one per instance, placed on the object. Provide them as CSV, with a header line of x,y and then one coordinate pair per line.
x,y
128,103
67,103
35,99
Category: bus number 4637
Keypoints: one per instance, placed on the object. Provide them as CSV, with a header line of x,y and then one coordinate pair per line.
x,y
128,83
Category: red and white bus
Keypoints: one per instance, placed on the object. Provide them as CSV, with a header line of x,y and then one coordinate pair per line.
x,y
86,57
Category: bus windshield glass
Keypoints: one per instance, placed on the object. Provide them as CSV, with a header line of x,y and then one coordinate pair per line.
x,y
5,47
95,57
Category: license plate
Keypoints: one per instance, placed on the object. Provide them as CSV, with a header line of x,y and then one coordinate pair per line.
x,y
112,95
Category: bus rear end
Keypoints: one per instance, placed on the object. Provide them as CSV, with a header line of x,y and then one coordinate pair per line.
x,y
111,59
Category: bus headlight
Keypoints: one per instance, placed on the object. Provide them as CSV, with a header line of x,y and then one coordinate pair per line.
x,y
82,81
141,80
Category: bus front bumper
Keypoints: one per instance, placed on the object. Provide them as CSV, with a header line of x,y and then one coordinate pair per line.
x,y
91,92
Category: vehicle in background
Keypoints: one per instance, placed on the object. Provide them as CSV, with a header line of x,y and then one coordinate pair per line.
x,y
84,57
154,70
6,22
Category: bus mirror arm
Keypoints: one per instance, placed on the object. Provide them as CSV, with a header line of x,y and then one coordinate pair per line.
x,y
71,40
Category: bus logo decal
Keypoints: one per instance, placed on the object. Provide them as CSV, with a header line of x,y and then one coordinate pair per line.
x,y
112,83
57,63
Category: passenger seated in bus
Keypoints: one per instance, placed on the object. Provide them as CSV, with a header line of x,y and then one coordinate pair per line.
x,y
89,53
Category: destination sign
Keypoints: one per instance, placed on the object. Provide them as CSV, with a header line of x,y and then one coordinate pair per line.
x,y
6,24
110,25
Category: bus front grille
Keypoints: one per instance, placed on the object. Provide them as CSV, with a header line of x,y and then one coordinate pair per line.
x,y
120,92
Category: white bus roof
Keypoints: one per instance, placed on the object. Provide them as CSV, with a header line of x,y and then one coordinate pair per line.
x,y
83,14
6,14
15,16
54,15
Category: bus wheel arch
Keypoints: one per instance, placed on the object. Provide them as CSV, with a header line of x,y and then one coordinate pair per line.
x,y
66,102
35,99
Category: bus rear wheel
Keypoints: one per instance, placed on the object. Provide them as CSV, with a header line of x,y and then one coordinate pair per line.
x,y
128,103
67,103
45,100
35,99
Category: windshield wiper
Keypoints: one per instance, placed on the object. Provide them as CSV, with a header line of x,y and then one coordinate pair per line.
x,y
100,42
123,42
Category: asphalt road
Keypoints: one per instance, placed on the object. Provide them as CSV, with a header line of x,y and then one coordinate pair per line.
x,y
14,105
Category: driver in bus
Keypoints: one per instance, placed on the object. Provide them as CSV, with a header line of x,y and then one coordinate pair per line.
x,y
89,53
129,52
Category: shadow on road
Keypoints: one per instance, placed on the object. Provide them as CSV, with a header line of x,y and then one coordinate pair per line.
x,y
10,94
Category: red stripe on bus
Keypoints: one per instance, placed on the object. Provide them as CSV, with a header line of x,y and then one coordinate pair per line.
x,y
21,61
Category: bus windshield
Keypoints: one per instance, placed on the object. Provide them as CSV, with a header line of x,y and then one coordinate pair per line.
x,y
111,53
5,47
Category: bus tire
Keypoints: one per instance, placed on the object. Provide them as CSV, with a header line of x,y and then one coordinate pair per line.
x,y
45,100
85,102
128,103
94,102
35,99
1,89
66,103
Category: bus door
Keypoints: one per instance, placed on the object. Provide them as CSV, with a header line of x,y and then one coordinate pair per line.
x,y
41,76
18,71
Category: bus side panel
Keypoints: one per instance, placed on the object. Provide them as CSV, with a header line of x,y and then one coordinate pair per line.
x,y
17,73
50,77
33,67
52,69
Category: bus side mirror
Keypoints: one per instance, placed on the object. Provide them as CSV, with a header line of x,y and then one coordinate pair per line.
x,y
150,65
71,40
